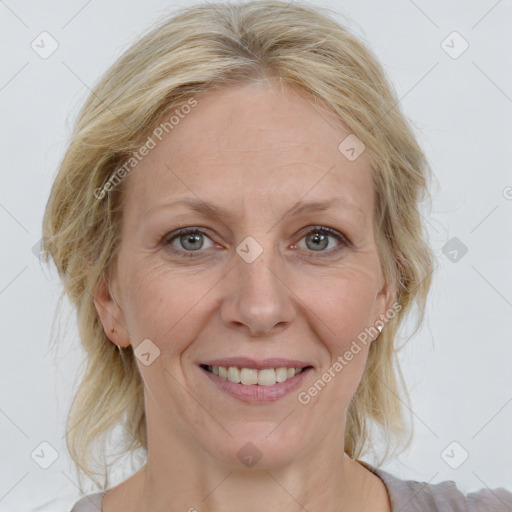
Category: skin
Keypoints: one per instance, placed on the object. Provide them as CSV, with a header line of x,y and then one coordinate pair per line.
x,y
256,149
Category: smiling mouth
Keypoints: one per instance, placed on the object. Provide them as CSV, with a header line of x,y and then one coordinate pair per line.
x,y
253,376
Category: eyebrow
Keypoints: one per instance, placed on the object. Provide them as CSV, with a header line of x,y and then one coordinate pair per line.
x,y
300,207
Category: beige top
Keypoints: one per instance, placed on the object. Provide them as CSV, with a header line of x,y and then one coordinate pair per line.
x,y
405,496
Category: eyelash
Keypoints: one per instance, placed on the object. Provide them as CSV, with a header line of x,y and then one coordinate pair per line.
x,y
169,238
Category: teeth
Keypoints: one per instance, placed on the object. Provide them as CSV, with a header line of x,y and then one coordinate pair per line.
x,y
234,374
248,376
252,376
282,374
267,377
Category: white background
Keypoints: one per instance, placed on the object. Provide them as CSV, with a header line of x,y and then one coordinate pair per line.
x,y
457,367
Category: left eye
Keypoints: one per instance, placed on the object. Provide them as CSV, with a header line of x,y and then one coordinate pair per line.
x,y
318,239
192,240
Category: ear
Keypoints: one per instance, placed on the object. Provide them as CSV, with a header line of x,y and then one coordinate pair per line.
x,y
383,306
110,314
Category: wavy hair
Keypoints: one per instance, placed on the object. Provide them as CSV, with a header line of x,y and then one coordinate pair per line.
x,y
196,49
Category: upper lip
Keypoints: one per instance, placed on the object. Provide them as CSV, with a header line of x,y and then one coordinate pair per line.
x,y
247,362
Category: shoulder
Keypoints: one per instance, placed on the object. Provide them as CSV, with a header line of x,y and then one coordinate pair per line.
x,y
89,503
492,500
410,495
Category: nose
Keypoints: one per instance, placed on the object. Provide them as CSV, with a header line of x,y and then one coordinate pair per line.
x,y
258,300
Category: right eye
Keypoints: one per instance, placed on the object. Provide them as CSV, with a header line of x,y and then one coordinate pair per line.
x,y
190,240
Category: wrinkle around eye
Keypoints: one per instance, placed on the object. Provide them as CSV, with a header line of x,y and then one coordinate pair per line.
x,y
173,237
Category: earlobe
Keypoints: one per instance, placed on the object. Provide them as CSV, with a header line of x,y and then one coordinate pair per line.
x,y
110,314
386,301
388,294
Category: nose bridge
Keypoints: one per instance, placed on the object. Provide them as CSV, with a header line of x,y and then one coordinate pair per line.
x,y
259,298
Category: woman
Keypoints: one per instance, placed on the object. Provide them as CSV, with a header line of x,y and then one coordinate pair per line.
x,y
236,220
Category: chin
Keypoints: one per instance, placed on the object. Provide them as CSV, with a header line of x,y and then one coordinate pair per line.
x,y
256,449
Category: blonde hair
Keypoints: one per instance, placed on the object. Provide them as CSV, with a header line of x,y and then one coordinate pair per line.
x,y
199,48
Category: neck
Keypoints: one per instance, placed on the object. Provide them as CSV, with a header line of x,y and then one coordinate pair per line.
x,y
181,475
335,488
180,478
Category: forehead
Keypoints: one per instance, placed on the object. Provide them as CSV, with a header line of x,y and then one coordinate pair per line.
x,y
256,143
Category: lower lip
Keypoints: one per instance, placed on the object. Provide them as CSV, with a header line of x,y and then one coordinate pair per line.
x,y
256,393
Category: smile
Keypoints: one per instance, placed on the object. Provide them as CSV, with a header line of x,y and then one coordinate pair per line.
x,y
253,376
256,385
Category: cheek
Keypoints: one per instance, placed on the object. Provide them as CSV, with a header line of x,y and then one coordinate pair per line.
x,y
168,304
162,305
344,304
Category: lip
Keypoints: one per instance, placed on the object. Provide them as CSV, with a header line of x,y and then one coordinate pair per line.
x,y
247,362
257,394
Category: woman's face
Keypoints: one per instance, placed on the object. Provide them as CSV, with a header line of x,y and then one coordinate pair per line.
x,y
257,285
